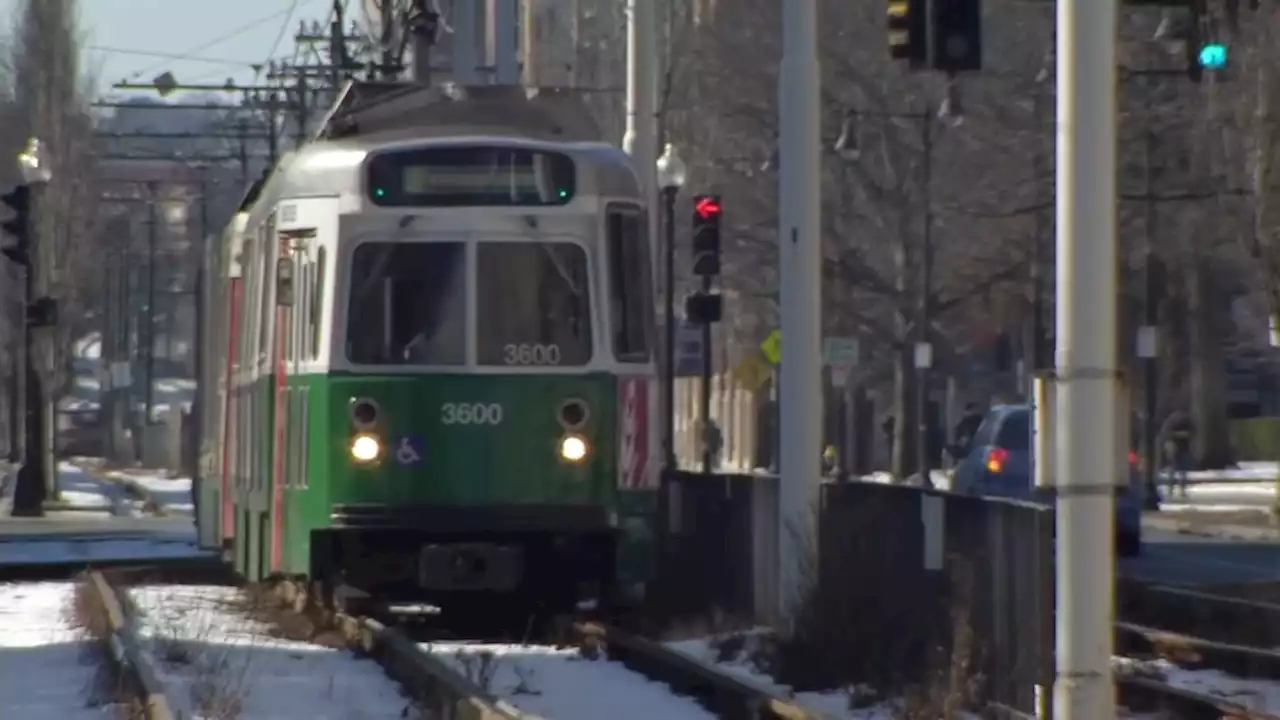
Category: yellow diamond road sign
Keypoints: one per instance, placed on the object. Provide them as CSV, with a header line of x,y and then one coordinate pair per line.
x,y
752,373
772,347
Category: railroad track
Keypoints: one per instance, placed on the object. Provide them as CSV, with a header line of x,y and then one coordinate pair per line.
x,y
133,666
1194,630
438,687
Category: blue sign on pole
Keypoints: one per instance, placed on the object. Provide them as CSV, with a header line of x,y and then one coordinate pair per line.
x,y
688,349
410,449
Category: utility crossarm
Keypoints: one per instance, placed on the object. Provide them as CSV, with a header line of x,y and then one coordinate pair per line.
x,y
177,106
182,136
193,159
225,87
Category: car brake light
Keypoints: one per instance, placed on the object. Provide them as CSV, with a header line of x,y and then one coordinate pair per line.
x,y
996,458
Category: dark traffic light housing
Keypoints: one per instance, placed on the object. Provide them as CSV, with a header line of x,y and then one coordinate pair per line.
x,y
707,211
944,35
18,227
957,35
908,32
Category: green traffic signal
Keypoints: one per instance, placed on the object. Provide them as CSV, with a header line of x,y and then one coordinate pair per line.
x,y
1213,56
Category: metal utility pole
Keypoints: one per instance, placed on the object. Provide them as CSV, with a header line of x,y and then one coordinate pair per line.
x,y
153,232
423,24
800,254
501,20
529,50
466,45
924,300
640,140
1148,334
1038,361
1085,422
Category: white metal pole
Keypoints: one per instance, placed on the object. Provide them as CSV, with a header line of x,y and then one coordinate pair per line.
x,y
799,250
641,137
640,140
1087,287
500,37
466,43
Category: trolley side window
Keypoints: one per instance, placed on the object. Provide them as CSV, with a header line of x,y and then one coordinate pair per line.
x,y
630,283
408,304
533,306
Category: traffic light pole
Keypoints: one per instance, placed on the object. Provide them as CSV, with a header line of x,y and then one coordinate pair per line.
x,y
29,493
15,391
704,398
669,318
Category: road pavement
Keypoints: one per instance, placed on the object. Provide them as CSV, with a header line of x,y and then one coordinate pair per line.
x,y
1183,559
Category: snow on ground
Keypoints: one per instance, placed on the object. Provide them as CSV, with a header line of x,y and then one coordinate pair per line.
x,y
212,658
834,704
78,490
1259,695
43,674
561,684
173,495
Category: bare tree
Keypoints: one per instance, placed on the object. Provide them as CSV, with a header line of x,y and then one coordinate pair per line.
x,y
50,93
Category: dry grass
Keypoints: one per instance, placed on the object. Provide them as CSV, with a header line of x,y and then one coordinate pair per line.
x,y
849,636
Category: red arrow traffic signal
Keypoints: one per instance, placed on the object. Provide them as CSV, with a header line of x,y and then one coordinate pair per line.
x,y
707,206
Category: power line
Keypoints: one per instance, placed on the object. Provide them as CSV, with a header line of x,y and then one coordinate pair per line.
x,y
284,27
248,27
168,56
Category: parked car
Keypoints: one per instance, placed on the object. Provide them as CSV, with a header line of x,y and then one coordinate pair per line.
x,y
998,463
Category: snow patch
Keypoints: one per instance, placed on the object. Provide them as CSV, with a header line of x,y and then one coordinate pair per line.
x,y
562,684
212,658
43,673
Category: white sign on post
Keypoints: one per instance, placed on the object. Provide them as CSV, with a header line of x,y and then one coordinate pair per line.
x,y
840,354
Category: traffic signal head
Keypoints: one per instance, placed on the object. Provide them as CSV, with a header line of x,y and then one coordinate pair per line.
x,y
17,227
706,234
908,31
957,35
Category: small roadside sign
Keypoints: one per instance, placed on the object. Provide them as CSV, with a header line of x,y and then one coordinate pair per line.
x,y
840,351
753,372
688,349
840,354
772,347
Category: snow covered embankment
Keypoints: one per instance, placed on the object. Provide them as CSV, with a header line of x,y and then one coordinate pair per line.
x,y
49,668
217,661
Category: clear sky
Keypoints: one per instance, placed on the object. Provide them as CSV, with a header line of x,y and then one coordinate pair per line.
x,y
211,39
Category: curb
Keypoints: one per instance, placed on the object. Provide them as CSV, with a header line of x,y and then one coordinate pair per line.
x,y
1225,531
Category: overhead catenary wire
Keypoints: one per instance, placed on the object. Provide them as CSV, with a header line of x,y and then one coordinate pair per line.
x,y
230,35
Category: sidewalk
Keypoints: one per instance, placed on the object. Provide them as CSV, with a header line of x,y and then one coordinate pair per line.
x,y
154,491
80,495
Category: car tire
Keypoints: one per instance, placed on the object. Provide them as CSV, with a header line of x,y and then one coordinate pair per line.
x,y
1128,545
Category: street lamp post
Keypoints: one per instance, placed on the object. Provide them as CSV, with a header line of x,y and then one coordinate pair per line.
x,y
671,176
29,493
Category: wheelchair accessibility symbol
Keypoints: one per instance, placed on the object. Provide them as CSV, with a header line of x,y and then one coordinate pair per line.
x,y
410,449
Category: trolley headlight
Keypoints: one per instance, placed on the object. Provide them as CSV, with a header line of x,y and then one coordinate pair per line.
x,y
365,448
574,448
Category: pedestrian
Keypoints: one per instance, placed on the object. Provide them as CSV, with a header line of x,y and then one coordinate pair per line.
x,y
965,430
1175,435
